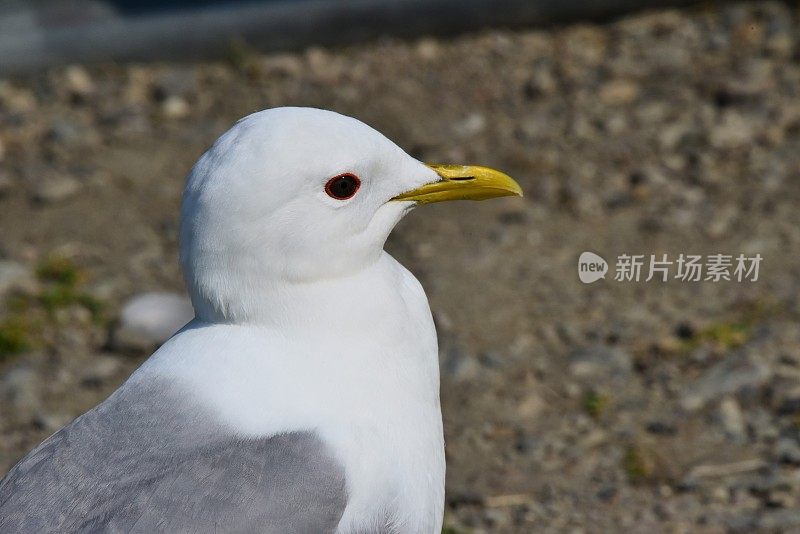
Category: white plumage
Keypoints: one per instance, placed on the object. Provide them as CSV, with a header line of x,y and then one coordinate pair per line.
x,y
304,327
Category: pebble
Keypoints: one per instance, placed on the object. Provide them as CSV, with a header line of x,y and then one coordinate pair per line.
x,y
732,419
780,499
70,133
282,65
176,82
100,370
762,425
137,89
55,189
15,276
50,422
542,82
779,521
530,406
79,83
617,92
787,450
789,402
428,49
459,365
601,363
733,131
728,376
16,99
20,387
150,319
175,107
661,428
471,125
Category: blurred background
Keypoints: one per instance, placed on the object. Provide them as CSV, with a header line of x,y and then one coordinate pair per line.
x,y
634,128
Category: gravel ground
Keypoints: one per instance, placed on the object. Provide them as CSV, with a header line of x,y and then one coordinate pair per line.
x,y
617,406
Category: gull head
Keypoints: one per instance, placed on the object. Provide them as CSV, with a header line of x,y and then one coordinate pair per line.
x,y
300,195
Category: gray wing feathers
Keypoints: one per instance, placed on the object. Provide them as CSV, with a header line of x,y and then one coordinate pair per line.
x,y
146,461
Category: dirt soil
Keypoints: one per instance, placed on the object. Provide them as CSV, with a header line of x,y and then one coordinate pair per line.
x,y
616,406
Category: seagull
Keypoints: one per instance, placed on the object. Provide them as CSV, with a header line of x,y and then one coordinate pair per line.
x,y
304,395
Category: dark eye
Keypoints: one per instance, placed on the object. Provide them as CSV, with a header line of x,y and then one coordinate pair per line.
x,y
343,186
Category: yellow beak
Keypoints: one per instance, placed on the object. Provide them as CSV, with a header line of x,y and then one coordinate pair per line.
x,y
463,182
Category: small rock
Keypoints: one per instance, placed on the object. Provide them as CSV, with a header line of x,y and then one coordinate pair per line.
x,y
282,65
323,65
101,369
79,83
74,314
15,277
530,406
137,89
777,498
428,49
762,425
526,443
20,387
16,99
424,250
787,451
175,107
790,403
732,420
541,83
51,422
727,377
661,428
618,92
71,133
55,189
150,319
496,518
741,523
719,225
664,510
491,360
607,493
512,218
459,365
778,521
706,471
175,82
733,131
600,362
472,124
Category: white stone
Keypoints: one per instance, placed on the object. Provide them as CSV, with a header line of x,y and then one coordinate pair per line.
x,y
15,277
152,318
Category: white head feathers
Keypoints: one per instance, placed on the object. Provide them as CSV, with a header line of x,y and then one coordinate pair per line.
x,y
256,214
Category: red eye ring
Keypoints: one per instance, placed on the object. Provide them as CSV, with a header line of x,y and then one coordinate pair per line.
x,y
343,186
